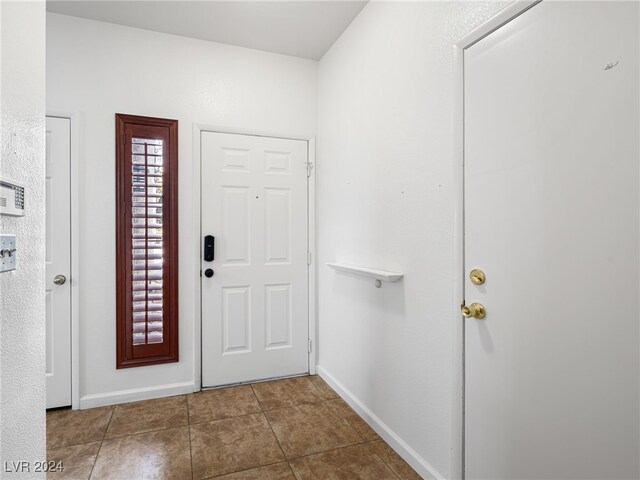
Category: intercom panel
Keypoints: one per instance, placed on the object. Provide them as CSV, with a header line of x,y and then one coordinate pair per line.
x,y
11,199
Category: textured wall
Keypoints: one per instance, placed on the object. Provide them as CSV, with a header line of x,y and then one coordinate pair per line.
x,y
384,176
22,312
99,69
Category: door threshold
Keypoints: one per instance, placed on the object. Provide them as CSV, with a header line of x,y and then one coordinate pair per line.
x,y
250,382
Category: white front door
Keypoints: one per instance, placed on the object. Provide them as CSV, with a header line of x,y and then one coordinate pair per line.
x,y
58,262
254,306
552,218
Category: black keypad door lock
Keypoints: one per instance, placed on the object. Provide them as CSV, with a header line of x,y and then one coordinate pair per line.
x,y
209,248
208,272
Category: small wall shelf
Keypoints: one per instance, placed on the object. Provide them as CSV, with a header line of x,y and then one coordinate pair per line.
x,y
378,275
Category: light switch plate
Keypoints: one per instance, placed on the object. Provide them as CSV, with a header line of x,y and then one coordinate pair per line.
x,y
8,256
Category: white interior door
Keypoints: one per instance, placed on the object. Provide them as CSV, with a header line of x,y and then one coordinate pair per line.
x,y
58,261
552,218
254,307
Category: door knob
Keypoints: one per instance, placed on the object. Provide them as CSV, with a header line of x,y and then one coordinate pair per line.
x,y
59,279
474,310
477,276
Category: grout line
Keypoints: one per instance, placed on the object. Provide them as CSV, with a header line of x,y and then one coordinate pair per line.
x,y
330,450
320,395
218,419
188,411
388,464
244,470
335,394
352,425
189,435
294,405
264,414
95,460
132,434
292,470
257,399
104,436
389,467
323,400
135,434
378,439
276,437
222,418
314,386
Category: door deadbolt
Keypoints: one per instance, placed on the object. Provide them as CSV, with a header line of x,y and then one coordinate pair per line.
x,y
59,279
475,310
208,272
477,276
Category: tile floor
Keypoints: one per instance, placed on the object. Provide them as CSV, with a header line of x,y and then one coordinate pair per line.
x,y
295,428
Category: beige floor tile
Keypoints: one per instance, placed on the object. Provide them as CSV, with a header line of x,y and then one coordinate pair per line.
x,y
286,393
163,454
148,415
401,468
359,425
278,471
76,461
73,427
349,463
222,403
232,445
306,429
325,390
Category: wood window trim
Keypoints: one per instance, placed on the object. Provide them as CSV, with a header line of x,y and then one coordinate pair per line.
x,y
128,354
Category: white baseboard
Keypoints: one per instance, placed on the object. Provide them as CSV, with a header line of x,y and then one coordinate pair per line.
x,y
418,463
135,394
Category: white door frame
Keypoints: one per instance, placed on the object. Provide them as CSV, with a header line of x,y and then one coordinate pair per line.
x,y
76,121
457,399
311,237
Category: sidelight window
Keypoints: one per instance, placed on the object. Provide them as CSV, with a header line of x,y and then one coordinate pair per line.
x,y
147,240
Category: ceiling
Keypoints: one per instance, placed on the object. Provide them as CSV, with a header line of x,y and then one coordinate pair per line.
x,y
300,28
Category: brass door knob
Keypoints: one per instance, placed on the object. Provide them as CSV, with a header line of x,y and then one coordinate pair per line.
x,y
474,310
59,279
477,276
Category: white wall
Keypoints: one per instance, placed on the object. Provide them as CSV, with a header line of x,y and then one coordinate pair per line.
x,y
384,176
22,308
99,69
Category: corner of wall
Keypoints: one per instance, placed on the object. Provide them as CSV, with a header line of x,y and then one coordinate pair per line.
x,y
22,299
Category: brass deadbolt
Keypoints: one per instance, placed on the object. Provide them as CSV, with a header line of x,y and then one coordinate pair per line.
x,y
475,310
477,276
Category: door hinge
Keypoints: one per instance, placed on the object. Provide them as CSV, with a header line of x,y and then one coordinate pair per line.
x,y
308,258
309,349
309,168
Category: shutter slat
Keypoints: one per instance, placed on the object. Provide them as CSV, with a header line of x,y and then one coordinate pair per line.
x,y
147,235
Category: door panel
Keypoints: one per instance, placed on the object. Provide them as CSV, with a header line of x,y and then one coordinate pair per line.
x,y
58,262
255,307
552,218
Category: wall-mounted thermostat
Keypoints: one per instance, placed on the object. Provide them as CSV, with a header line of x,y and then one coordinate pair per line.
x,y
11,199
